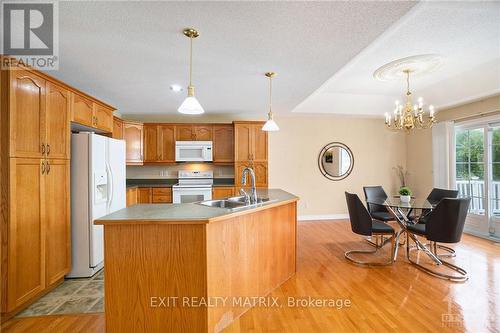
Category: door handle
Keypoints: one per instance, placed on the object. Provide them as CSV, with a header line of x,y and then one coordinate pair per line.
x,y
43,148
43,167
48,167
48,149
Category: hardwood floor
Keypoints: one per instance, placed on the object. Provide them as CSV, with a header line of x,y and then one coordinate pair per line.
x,y
393,298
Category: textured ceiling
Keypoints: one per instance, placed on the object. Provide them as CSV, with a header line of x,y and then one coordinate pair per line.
x,y
466,34
129,53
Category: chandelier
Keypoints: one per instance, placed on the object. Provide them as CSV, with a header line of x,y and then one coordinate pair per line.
x,y
409,115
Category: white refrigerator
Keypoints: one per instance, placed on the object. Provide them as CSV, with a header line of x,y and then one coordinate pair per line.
x,y
97,189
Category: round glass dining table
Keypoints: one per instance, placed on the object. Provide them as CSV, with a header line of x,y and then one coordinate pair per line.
x,y
401,211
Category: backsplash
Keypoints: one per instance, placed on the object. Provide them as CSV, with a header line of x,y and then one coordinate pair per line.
x,y
171,171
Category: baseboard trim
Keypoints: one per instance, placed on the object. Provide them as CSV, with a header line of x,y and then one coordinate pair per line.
x,y
322,217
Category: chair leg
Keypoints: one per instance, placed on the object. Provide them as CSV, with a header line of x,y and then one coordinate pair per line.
x,y
462,277
348,255
451,253
378,244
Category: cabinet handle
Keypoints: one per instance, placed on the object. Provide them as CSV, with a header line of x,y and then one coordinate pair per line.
x,y
48,167
48,149
43,148
43,167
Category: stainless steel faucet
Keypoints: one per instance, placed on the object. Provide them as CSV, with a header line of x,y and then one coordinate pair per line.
x,y
253,196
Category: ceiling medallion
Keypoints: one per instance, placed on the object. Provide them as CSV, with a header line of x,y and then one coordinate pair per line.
x,y
417,65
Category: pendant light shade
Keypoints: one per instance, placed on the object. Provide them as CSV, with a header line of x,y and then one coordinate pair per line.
x,y
270,125
191,104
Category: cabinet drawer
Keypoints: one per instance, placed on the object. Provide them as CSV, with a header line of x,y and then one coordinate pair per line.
x,y
162,199
162,191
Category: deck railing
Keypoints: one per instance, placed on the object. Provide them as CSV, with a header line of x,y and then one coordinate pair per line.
x,y
475,190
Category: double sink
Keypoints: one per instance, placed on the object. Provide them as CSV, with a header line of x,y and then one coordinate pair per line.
x,y
234,203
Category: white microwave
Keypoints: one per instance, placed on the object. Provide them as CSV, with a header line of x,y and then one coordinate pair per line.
x,y
193,151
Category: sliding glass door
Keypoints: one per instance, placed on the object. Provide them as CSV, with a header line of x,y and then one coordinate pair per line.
x,y
477,175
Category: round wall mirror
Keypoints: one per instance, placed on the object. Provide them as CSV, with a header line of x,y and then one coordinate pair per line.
x,y
335,161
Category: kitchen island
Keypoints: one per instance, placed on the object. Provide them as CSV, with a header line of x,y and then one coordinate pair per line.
x,y
193,268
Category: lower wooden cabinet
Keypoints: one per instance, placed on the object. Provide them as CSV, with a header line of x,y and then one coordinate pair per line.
x,y
144,195
131,196
222,192
260,169
36,234
162,195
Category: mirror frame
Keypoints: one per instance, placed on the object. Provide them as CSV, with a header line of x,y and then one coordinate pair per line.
x,y
320,159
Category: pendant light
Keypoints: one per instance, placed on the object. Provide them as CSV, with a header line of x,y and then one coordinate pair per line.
x,y
270,125
191,104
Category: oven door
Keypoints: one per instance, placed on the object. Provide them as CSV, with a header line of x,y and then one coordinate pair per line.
x,y
191,194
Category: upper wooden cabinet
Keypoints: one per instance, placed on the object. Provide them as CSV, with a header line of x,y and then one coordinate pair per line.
x,y
103,118
223,141
159,143
132,133
26,114
39,117
166,143
57,114
250,142
87,112
193,132
117,128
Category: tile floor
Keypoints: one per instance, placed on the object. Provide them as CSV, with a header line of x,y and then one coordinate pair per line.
x,y
72,296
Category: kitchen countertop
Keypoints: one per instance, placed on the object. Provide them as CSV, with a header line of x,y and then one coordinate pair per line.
x,y
190,213
132,183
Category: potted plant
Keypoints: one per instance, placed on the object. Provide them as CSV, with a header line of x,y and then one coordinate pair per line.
x,y
404,194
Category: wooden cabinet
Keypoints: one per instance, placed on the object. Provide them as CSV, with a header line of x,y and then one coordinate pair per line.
x,y
250,142
131,196
57,123
103,118
24,235
159,143
222,192
82,110
162,195
166,146
194,132
250,150
223,143
57,219
87,112
26,113
117,128
151,143
134,142
144,195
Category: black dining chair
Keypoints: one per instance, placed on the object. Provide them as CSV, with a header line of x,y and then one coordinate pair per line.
x,y
363,224
377,212
436,195
445,224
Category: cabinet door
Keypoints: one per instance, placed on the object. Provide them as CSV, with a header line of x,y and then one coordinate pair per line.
x,y
202,132
238,171
242,142
27,111
82,110
151,143
260,169
259,144
166,135
222,192
144,195
133,142
223,138
57,220
103,118
26,234
57,122
131,196
184,133
117,128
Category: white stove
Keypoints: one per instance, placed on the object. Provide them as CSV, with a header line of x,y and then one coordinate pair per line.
x,y
193,186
